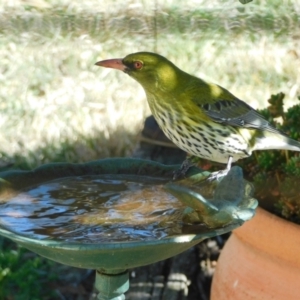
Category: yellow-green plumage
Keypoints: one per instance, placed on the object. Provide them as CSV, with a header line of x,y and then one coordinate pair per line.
x,y
203,119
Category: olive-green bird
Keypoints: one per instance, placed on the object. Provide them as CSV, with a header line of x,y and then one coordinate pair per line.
x,y
203,119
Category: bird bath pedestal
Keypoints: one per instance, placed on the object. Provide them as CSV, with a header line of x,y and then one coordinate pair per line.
x,y
230,206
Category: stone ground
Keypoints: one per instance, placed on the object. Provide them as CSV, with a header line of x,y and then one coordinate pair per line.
x,y
186,276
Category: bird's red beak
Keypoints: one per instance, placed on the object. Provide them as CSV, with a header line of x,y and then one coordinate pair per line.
x,y
115,63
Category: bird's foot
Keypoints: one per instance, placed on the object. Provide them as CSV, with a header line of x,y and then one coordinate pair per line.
x,y
217,175
183,169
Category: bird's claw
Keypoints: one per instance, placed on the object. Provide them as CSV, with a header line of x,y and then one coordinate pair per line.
x,y
217,175
183,169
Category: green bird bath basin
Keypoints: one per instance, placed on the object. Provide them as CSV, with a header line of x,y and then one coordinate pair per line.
x,y
206,209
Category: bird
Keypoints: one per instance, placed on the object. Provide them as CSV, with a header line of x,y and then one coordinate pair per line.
x,y
201,118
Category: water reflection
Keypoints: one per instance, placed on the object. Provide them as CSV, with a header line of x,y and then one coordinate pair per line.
x,y
92,209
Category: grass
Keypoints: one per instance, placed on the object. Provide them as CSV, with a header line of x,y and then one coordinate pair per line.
x,y
55,105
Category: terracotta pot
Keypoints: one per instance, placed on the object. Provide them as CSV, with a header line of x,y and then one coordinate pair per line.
x,y
261,260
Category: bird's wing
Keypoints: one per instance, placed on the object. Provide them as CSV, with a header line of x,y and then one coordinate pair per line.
x,y
236,113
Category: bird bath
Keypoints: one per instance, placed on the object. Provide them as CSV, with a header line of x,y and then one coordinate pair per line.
x,y
202,209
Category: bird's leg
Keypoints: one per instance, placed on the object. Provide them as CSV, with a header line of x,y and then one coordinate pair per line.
x,y
187,163
221,173
228,166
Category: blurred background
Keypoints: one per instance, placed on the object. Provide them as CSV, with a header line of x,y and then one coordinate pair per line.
x,y
56,105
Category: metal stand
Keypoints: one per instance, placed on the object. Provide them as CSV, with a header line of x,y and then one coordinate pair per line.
x,y
112,284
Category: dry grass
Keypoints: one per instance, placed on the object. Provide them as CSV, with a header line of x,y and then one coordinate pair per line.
x,y
55,105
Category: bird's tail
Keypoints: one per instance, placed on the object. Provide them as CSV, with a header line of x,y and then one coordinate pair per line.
x,y
275,141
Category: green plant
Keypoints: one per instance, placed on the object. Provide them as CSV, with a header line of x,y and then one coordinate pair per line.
x,y
24,275
276,174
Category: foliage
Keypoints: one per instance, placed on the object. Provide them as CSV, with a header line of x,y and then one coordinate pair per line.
x,y
24,275
276,173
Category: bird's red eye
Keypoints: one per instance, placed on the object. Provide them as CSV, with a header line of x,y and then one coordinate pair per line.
x,y
138,65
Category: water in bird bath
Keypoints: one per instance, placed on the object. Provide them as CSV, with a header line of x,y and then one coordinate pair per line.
x,y
94,209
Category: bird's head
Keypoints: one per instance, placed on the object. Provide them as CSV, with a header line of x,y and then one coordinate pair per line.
x,y
151,70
